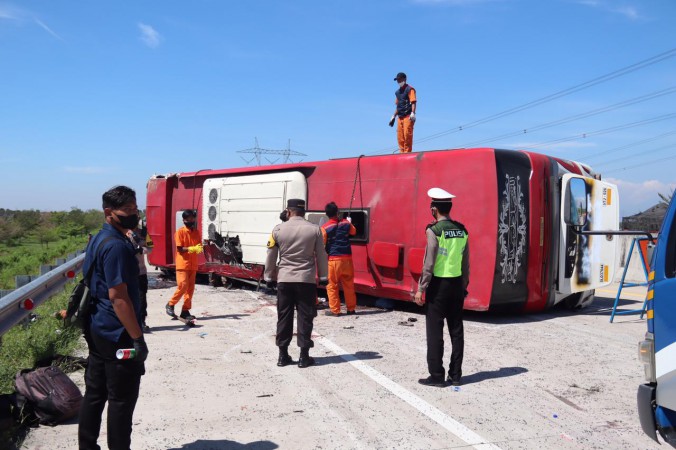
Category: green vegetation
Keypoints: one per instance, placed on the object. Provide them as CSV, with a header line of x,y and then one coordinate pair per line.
x,y
25,238
666,198
45,337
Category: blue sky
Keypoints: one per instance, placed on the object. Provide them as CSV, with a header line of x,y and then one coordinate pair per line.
x,y
94,94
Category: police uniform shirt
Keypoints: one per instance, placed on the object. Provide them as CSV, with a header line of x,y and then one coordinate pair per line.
x,y
115,264
431,250
300,246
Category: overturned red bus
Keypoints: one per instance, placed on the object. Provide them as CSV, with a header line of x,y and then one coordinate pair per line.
x,y
523,256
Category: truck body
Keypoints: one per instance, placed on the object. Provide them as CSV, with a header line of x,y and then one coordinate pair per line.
x,y
523,256
657,398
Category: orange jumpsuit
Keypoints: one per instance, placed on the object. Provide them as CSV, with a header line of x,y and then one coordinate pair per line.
x,y
341,269
186,267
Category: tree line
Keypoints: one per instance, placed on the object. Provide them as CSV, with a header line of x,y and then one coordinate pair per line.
x,y
43,227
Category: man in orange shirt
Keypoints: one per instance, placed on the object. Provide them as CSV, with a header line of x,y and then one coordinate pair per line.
x,y
188,245
406,102
337,234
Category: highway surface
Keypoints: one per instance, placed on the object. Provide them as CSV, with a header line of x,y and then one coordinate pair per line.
x,y
555,380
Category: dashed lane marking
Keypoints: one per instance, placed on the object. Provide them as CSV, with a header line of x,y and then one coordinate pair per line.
x,y
446,421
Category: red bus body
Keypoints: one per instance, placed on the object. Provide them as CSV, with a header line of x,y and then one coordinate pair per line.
x,y
508,200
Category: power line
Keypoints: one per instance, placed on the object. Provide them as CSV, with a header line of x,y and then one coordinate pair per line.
x,y
634,155
603,131
633,166
610,76
633,144
258,152
575,117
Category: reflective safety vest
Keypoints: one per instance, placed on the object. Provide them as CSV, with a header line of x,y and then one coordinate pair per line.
x,y
452,238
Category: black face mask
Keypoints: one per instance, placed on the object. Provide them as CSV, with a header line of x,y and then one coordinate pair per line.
x,y
129,222
190,225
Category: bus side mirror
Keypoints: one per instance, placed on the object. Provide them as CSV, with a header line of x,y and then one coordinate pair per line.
x,y
575,212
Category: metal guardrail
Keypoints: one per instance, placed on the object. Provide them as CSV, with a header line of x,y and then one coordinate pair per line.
x,y
39,290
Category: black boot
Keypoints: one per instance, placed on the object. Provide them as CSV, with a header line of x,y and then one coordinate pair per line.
x,y
305,360
284,358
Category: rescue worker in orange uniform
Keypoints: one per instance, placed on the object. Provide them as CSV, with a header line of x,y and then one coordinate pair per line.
x,y
188,246
336,233
406,102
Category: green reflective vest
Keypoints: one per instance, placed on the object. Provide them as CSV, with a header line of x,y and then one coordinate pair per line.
x,y
452,238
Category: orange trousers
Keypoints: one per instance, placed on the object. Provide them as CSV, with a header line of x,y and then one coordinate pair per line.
x,y
185,286
341,270
405,134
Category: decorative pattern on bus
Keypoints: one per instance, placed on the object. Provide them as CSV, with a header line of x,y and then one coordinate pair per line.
x,y
512,229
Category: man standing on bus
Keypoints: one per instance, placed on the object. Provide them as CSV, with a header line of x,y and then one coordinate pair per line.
x,y
406,102
336,235
444,280
300,248
188,246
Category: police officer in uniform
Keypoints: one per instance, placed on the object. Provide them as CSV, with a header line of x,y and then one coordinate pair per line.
x,y
444,280
300,247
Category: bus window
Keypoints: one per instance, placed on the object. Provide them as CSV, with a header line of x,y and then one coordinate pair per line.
x,y
359,220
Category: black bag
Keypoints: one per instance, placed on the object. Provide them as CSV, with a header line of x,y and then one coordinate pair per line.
x,y
80,300
50,393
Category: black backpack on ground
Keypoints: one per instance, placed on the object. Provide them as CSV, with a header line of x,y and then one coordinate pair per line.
x,y
49,392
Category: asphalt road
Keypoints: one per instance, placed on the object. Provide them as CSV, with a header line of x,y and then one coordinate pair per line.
x,y
551,380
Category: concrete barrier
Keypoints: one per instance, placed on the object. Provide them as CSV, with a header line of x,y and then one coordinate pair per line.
x,y
635,272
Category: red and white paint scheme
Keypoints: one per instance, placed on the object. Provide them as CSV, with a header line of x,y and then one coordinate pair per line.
x,y
523,257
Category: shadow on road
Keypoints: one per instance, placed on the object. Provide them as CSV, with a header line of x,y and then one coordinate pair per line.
x,y
179,326
338,359
225,444
224,316
490,374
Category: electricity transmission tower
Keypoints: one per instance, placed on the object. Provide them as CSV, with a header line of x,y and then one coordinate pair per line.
x,y
259,152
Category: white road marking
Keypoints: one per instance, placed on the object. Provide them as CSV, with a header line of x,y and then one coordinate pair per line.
x,y
450,424
446,421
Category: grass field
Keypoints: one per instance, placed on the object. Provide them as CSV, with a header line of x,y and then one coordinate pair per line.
x,y
26,258
44,337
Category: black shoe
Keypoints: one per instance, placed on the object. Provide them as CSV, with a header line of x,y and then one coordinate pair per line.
x,y
305,361
285,360
170,310
331,313
431,381
185,314
322,305
454,381
145,328
351,313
